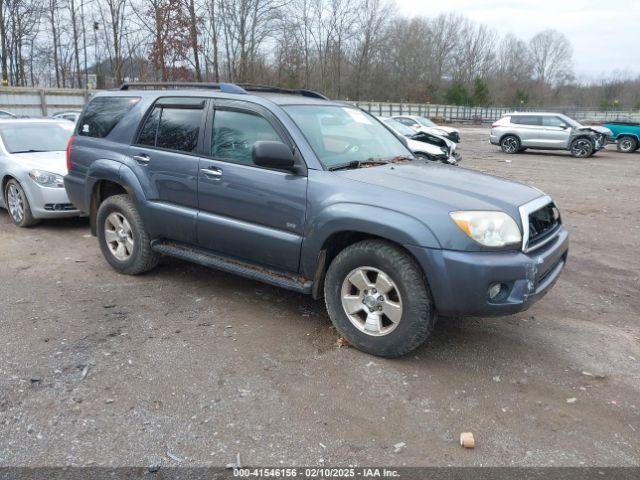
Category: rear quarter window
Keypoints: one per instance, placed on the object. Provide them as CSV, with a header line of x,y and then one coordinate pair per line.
x,y
103,114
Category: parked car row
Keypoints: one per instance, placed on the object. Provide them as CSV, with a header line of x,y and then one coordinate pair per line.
x,y
292,189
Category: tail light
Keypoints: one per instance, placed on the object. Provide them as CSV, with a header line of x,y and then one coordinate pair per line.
x,y
69,153
494,125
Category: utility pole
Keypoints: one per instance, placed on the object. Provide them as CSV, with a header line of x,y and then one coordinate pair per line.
x,y
84,46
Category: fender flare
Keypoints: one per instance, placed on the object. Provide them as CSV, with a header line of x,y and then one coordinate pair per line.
x,y
381,222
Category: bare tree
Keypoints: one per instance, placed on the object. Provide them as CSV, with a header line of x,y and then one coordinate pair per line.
x,y
551,56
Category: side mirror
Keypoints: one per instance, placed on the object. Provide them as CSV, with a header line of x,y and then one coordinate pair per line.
x,y
275,155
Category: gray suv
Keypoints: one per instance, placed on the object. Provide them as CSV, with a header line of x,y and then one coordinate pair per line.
x,y
516,132
319,197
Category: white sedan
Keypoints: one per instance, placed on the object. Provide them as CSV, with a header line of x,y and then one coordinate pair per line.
x,y
423,124
32,166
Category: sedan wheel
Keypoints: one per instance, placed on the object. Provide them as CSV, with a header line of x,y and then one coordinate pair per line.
x,y
18,205
372,301
118,236
14,201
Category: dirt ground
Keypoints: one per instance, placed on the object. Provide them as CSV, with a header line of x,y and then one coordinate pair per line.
x,y
190,366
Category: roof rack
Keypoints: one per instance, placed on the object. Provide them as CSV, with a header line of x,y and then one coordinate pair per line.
x,y
250,87
223,87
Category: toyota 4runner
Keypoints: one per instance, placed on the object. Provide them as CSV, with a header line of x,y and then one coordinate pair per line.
x,y
319,197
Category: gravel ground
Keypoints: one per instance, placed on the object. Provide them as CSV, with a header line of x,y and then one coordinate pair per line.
x,y
189,366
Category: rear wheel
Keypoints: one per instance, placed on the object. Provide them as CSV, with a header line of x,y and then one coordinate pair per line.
x,y
510,144
122,237
378,299
582,148
18,205
627,144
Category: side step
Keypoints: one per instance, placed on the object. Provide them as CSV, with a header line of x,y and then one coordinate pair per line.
x,y
233,265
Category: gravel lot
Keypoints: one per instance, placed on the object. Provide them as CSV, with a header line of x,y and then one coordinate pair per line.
x,y
189,366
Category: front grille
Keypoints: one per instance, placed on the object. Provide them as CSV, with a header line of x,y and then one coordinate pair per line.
x,y
543,223
59,207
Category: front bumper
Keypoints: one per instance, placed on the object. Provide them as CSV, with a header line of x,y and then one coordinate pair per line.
x,y
459,281
48,202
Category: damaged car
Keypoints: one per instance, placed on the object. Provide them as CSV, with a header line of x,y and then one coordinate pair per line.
x,y
425,125
519,131
424,145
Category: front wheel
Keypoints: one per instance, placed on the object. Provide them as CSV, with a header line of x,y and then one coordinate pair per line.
x,y
378,299
122,237
582,148
627,145
18,205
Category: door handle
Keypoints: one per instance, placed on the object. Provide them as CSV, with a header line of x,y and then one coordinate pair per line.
x,y
212,172
142,159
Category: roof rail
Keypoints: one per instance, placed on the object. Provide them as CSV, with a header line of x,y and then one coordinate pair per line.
x,y
223,87
250,87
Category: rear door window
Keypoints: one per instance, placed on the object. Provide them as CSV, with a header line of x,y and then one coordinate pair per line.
x,y
173,124
103,114
526,120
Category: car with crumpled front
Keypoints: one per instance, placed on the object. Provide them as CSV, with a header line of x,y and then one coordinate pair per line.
x,y
518,131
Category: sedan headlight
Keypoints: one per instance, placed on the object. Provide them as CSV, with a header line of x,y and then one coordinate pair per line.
x,y
47,179
491,229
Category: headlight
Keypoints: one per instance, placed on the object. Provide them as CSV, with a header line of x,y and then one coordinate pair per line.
x,y
47,179
491,229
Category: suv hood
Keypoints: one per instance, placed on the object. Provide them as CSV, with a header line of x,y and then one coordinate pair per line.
x,y
452,188
597,129
54,162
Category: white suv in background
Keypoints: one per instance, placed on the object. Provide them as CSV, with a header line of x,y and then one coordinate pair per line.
x,y
518,131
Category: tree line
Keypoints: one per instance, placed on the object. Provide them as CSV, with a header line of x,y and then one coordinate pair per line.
x,y
348,49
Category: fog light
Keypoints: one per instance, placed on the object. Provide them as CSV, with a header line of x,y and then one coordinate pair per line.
x,y
494,290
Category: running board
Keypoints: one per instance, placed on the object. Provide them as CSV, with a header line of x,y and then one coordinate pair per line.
x,y
233,265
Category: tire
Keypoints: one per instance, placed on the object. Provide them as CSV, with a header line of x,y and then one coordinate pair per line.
x,y
407,289
130,250
510,144
18,205
627,144
582,148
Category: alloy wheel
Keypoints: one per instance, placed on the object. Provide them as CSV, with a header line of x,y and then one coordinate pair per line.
x,y
14,201
581,148
510,145
626,145
371,301
119,236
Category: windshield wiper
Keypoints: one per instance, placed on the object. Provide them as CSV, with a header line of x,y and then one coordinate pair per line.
x,y
358,164
29,151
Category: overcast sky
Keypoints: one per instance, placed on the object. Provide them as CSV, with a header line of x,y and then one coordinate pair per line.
x,y
605,35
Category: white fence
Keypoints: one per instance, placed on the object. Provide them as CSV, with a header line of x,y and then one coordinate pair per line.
x,y
461,114
42,102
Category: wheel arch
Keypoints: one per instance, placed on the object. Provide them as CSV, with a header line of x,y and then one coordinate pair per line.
x,y
337,228
510,134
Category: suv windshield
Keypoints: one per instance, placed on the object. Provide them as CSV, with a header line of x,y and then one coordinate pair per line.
x,y
33,137
341,135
